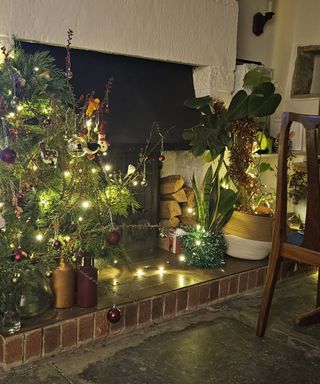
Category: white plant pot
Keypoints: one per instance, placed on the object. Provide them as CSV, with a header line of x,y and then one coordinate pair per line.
x,y
247,249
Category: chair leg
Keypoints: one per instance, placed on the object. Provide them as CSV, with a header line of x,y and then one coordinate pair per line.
x,y
271,279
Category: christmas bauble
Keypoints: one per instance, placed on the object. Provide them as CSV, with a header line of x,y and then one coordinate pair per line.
x,y
113,237
8,155
47,121
56,245
114,314
77,147
19,255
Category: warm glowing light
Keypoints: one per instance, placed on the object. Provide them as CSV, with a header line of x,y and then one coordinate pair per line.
x,y
1,205
161,270
135,183
67,238
66,173
107,167
39,237
198,242
85,204
182,258
104,154
80,170
190,210
94,170
115,261
198,227
36,69
139,272
80,218
34,168
89,123
19,108
11,114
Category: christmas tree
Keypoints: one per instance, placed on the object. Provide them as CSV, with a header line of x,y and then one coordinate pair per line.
x,y
55,194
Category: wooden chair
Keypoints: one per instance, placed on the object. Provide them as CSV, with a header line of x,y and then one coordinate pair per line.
x,y
309,251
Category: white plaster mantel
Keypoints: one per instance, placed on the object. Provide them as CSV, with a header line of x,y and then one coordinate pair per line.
x,y
196,32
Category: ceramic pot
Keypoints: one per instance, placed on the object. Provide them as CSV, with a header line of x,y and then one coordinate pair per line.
x,y
63,285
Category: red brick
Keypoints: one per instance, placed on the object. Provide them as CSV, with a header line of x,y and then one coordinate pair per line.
x,y
68,333
193,296
170,304
182,300
214,291
144,311
13,350
224,287
252,279
101,324
118,327
85,328
51,339
262,272
32,345
234,285
204,293
243,282
131,315
157,308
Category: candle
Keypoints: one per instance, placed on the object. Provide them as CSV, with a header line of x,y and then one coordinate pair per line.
x,y
270,6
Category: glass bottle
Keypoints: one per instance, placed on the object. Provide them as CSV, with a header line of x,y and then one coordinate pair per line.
x,y
10,322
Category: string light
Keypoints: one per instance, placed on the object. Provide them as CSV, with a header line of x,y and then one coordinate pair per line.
x,y
139,272
34,168
107,167
198,227
85,204
12,114
198,242
190,210
67,238
182,258
36,69
135,183
66,173
94,170
161,270
1,205
39,237
115,261
19,108
80,218
89,123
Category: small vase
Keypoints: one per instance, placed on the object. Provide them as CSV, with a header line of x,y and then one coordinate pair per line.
x,y
10,322
63,285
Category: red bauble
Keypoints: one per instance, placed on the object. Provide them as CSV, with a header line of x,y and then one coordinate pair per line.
x,y
114,314
113,237
19,255
56,245
8,155
161,158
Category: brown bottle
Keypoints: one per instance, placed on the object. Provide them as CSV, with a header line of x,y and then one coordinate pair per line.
x,y
63,281
87,279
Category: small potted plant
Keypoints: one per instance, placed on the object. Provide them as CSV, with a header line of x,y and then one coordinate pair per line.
x,y
236,129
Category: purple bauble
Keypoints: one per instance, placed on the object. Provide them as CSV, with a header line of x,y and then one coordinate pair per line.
x,y
114,314
8,155
56,245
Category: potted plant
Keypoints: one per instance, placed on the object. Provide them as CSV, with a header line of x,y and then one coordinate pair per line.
x,y
236,128
204,246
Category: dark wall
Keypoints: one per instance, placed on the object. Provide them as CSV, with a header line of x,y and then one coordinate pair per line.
x,y
144,91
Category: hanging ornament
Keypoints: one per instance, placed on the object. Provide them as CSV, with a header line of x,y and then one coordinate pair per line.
x,y
114,314
19,255
113,237
48,273
56,245
76,147
90,157
93,106
91,148
131,170
49,156
102,141
47,122
8,155
69,73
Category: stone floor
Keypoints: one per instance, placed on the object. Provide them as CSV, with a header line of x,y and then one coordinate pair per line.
x,y
213,345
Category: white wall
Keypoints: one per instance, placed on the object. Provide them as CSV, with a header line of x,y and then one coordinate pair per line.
x,y
249,46
198,32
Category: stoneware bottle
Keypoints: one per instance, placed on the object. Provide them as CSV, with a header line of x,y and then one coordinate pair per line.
x,y
63,281
87,278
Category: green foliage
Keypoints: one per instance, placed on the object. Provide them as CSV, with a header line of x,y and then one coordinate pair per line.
x,y
214,204
203,249
256,77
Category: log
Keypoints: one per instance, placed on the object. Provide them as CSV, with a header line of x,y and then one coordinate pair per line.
x,y
169,209
188,221
179,196
171,184
190,197
170,223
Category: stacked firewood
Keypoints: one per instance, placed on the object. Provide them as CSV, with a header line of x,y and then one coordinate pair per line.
x,y
177,202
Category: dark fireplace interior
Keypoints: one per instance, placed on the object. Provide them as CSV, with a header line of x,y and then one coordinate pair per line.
x,y
144,92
